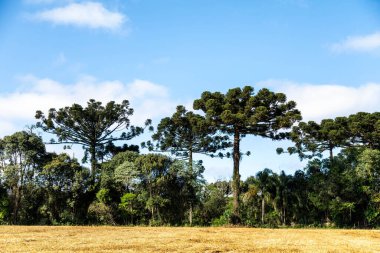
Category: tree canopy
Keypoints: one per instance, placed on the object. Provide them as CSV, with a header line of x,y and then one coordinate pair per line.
x,y
185,133
357,130
92,127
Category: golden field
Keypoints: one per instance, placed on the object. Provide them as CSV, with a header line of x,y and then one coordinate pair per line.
x,y
173,239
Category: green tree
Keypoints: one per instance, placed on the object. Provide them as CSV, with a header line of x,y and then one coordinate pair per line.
x,y
184,185
298,208
251,201
152,171
214,198
312,139
240,112
118,172
284,195
57,179
128,206
4,205
23,153
120,176
368,169
93,127
185,133
365,129
267,183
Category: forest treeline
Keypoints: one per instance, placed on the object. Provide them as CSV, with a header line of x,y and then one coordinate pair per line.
x,y
339,186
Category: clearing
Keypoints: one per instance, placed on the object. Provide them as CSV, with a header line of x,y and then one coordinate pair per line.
x,y
180,239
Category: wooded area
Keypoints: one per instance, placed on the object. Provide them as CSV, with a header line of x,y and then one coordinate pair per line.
x,y
125,187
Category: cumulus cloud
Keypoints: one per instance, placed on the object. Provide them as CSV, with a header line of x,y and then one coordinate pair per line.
x,y
148,99
320,101
358,43
88,14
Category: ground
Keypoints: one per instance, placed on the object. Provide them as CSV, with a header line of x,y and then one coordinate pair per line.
x,y
179,239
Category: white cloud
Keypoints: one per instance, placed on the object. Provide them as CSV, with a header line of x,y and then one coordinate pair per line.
x,y
148,99
322,101
358,43
87,14
141,88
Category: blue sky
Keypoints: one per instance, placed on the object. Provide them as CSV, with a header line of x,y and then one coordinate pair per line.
x,y
323,54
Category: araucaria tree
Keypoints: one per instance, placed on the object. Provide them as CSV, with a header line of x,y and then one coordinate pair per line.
x,y
186,133
312,139
92,127
240,112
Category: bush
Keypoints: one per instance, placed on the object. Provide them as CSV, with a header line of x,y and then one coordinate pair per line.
x,y
100,213
223,220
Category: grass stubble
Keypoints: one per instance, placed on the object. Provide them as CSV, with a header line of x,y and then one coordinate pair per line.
x,y
184,239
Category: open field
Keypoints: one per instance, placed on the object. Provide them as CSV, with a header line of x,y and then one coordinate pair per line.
x,y
166,239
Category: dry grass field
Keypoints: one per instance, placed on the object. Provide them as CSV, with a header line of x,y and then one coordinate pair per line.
x,y
166,239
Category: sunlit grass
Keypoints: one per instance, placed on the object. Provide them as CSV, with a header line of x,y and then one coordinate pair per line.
x,y
172,239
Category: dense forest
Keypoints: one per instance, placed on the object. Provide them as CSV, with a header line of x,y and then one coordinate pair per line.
x,y
340,185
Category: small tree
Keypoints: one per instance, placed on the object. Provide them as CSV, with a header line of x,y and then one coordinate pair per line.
x,y
240,112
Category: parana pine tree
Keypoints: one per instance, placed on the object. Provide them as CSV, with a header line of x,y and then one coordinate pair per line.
x,y
241,112
93,127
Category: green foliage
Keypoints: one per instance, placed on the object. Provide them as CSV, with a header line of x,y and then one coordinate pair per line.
x,y
4,207
22,156
103,196
126,173
214,202
115,170
368,169
357,130
128,206
99,213
223,220
312,139
186,133
365,129
66,185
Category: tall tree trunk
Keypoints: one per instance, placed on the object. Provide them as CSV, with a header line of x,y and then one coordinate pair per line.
x,y
150,197
93,160
262,208
191,214
236,177
16,205
19,193
191,159
191,171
